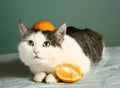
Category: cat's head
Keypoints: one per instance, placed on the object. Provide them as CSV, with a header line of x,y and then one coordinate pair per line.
x,y
40,46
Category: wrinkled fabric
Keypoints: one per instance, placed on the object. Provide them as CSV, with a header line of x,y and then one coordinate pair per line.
x,y
106,74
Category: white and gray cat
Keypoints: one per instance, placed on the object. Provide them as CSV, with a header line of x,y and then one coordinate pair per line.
x,y
43,50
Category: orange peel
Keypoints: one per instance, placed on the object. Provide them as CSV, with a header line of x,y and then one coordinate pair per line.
x,y
43,25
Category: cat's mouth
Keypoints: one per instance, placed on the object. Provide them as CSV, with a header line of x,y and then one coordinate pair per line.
x,y
37,57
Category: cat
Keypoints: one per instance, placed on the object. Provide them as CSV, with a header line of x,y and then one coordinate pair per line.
x,y
42,51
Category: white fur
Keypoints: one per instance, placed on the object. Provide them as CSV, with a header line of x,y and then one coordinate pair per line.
x,y
51,56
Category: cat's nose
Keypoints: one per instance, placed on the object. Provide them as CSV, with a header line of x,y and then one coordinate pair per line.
x,y
36,51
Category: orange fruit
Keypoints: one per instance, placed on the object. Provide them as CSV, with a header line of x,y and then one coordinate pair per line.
x,y
44,25
68,72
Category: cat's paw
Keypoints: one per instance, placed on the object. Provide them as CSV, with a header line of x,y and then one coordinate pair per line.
x,y
39,77
51,79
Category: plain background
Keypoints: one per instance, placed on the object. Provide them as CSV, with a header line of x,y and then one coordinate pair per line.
x,y
102,16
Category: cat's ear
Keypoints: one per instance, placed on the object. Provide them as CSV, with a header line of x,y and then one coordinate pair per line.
x,y
24,30
61,32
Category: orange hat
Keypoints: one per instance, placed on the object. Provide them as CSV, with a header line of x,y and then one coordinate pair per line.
x,y
44,26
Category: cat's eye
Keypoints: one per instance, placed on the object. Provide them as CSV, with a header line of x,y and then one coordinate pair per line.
x,y
30,43
46,44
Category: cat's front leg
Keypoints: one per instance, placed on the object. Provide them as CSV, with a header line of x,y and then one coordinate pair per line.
x,y
51,78
39,77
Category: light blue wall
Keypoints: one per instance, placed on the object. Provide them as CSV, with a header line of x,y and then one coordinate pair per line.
x,y
102,16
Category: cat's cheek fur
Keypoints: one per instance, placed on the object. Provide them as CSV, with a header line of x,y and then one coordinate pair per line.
x,y
24,55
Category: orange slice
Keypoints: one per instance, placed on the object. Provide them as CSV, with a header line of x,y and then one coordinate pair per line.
x,y
44,25
68,72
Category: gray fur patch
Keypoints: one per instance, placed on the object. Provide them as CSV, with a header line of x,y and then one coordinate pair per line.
x,y
90,41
